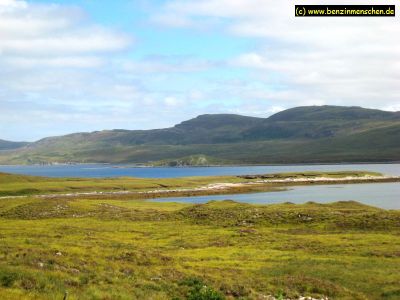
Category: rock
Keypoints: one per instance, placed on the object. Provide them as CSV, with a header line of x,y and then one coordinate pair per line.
x,y
155,278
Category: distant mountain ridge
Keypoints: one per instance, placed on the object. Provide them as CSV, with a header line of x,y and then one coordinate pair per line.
x,y
329,112
7,145
297,135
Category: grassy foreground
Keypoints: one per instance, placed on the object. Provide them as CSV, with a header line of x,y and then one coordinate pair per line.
x,y
124,247
134,249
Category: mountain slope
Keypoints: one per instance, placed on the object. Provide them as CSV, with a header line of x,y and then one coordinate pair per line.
x,y
302,134
7,145
330,112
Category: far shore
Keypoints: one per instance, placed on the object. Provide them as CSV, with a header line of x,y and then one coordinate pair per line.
x,y
145,165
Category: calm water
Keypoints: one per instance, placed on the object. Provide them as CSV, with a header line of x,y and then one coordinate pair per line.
x,y
384,195
98,171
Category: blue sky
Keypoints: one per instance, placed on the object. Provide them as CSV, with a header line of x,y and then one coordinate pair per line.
x,y
83,65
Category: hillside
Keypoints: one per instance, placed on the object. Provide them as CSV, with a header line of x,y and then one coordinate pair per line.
x,y
7,145
297,135
326,112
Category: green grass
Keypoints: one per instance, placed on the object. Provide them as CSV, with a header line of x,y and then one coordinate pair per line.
x,y
123,247
134,249
23,185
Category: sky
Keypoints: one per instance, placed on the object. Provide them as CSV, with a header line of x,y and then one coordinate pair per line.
x,y
86,65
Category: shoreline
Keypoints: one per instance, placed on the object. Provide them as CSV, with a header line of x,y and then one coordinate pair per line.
x,y
226,187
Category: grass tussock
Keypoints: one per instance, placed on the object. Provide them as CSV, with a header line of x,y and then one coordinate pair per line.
x,y
134,249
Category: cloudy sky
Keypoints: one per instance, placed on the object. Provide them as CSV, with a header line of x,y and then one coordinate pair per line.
x,y
85,65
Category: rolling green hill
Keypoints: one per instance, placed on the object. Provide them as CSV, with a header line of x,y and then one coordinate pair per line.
x,y
298,135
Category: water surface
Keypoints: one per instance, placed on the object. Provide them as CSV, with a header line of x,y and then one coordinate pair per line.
x,y
101,170
383,195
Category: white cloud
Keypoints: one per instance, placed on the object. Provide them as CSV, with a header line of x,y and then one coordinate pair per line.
x,y
171,101
29,30
167,64
344,61
395,107
275,109
60,72
10,5
56,73
172,20
87,41
71,61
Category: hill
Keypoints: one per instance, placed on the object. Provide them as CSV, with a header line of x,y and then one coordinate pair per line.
x,y
7,145
297,135
329,112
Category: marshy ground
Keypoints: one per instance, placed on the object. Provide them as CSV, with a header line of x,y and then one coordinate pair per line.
x,y
119,247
